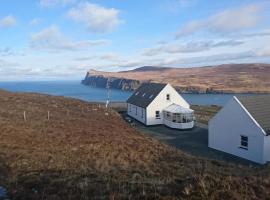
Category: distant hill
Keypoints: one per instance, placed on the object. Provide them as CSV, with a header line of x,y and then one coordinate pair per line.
x,y
147,69
229,78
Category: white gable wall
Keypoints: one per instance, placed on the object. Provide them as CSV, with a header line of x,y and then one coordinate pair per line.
x,y
160,102
226,128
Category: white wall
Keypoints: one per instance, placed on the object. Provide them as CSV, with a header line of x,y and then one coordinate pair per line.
x,y
267,148
226,128
140,116
160,102
171,124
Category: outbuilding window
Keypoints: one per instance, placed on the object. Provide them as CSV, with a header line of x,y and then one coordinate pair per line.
x,y
157,114
244,142
168,97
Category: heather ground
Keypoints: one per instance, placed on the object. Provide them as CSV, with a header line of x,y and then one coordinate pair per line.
x,y
84,151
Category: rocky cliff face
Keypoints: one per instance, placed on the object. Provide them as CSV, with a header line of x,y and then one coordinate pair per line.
x,y
115,83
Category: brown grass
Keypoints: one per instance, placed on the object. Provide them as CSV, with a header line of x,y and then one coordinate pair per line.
x,y
87,152
204,113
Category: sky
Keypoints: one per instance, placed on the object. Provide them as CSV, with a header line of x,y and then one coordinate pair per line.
x,y
63,39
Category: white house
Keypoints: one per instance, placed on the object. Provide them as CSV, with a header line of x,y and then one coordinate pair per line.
x,y
242,128
155,103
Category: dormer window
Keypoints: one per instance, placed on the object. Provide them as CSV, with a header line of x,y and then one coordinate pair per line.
x,y
143,95
137,93
151,97
168,97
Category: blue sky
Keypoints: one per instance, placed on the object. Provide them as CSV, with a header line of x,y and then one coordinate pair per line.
x,y
62,39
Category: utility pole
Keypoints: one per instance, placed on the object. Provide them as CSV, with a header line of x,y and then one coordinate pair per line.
x,y
108,92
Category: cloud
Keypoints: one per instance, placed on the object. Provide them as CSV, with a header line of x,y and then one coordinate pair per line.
x,y
190,47
85,58
96,18
176,6
263,33
6,52
176,61
223,58
52,39
263,52
6,64
54,3
8,21
35,22
110,57
227,21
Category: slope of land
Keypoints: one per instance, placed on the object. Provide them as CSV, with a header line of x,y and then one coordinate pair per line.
x,y
84,151
230,78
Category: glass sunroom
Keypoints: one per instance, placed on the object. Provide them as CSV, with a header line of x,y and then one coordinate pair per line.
x,y
178,117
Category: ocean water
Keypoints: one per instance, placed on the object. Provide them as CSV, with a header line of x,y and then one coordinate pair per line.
x,y
75,89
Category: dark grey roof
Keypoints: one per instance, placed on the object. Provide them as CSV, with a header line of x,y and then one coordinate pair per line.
x,y
259,107
145,94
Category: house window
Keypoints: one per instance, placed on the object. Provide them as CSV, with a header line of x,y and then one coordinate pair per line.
x,y
157,114
142,113
168,97
136,110
244,142
129,107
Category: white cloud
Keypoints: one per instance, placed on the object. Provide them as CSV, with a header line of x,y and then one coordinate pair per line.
x,y
95,17
263,33
230,20
190,47
263,52
6,52
35,21
110,57
53,39
54,3
176,6
8,21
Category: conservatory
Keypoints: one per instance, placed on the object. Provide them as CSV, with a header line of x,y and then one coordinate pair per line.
x,y
178,117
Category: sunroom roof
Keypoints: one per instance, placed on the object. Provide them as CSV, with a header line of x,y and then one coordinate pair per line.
x,y
174,108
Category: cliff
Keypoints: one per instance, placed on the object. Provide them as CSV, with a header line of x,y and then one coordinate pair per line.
x,y
114,82
230,78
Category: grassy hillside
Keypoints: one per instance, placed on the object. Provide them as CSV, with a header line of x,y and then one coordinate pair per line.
x,y
85,151
230,78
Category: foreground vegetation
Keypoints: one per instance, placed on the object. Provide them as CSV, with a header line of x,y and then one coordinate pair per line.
x,y
79,150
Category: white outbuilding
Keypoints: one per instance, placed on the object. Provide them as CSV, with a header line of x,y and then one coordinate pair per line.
x,y
242,128
155,103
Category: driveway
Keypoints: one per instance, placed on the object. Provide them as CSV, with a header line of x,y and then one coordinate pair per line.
x,y
194,141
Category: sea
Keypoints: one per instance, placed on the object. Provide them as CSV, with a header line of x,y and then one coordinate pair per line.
x,y
76,90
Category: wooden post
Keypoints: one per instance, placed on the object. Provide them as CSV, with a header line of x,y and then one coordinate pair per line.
x,y
24,116
48,117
